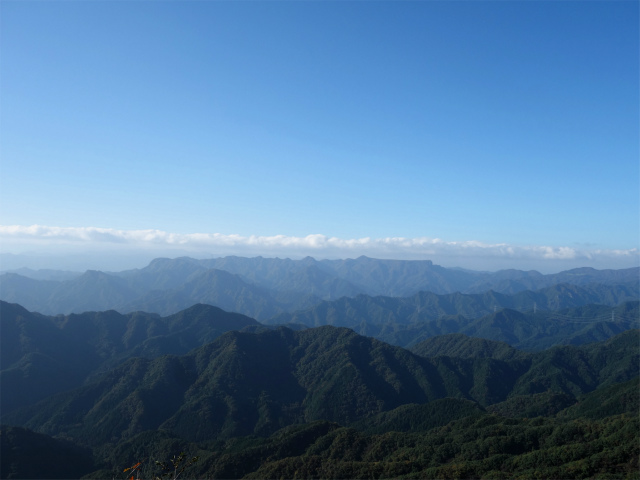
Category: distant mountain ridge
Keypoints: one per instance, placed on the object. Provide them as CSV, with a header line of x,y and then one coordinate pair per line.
x,y
527,320
427,306
460,345
265,287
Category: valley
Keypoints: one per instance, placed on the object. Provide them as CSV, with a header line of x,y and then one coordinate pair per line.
x,y
493,384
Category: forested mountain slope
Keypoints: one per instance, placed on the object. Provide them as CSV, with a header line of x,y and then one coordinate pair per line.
x,y
407,321
427,306
461,346
245,383
42,355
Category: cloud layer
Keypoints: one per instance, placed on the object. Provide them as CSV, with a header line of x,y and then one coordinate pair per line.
x,y
320,246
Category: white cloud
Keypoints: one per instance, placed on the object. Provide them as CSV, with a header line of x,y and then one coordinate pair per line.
x,y
470,254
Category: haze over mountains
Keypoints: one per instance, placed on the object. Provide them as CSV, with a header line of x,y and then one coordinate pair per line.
x,y
264,287
307,368
451,189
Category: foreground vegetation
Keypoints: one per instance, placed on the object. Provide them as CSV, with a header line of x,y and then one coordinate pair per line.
x,y
596,437
477,446
314,403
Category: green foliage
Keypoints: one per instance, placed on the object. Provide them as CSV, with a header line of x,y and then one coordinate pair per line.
x,y
606,401
419,418
461,346
411,320
244,383
476,447
530,406
578,370
42,356
271,404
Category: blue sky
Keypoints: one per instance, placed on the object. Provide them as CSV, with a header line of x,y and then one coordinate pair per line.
x,y
501,123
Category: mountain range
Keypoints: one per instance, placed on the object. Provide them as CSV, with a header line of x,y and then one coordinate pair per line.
x,y
42,355
265,287
245,385
257,383
333,369
405,321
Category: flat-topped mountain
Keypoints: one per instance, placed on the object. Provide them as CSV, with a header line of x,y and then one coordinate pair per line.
x,y
264,287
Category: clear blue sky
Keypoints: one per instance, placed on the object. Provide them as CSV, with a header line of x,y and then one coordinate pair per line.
x,y
499,122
